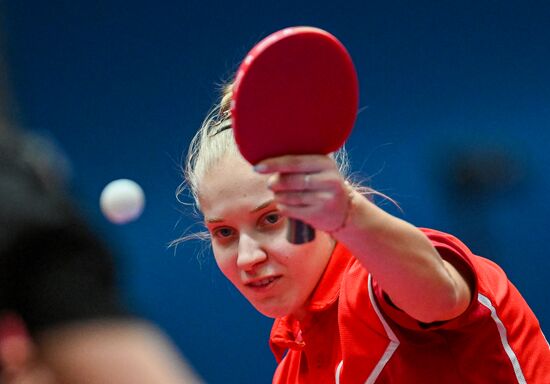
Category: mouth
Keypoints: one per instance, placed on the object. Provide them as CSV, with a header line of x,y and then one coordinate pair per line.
x,y
263,284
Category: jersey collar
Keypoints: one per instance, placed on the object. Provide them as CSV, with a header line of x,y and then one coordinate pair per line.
x,y
286,331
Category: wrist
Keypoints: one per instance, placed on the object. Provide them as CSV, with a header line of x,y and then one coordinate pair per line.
x,y
347,212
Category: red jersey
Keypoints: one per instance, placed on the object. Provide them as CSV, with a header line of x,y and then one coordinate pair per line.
x,y
353,334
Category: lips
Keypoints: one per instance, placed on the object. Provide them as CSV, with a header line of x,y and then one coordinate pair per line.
x,y
262,283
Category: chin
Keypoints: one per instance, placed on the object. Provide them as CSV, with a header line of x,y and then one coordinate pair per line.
x,y
272,312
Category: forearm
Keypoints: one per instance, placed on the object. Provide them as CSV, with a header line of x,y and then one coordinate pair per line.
x,y
404,262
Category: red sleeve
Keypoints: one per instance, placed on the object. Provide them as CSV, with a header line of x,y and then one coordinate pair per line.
x,y
456,253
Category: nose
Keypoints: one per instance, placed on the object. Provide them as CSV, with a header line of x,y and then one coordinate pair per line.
x,y
251,253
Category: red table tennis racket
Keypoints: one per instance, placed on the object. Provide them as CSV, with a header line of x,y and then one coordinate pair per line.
x,y
296,92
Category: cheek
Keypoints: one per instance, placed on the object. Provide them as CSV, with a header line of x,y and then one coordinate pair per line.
x,y
309,263
226,263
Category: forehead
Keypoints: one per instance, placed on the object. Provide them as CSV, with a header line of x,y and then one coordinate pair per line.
x,y
231,182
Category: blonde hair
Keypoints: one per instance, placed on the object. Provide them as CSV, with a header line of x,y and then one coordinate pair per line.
x,y
215,139
212,141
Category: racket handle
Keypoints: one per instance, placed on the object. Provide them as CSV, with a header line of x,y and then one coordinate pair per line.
x,y
299,232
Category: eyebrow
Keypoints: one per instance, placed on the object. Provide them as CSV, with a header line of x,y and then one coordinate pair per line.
x,y
258,208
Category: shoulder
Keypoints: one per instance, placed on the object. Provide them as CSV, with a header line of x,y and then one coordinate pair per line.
x,y
483,274
360,292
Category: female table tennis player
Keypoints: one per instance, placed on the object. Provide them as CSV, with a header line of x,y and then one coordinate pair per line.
x,y
372,299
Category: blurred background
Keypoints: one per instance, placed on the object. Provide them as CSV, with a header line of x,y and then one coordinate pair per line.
x,y
454,125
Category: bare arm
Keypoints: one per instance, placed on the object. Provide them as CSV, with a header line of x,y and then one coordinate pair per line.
x,y
398,255
404,262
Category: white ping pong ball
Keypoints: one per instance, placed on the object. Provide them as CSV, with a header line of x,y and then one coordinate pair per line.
x,y
122,201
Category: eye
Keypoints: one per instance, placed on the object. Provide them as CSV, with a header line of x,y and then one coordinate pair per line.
x,y
272,218
223,232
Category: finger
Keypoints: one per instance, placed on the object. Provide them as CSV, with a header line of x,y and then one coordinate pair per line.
x,y
304,182
295,164
302,198
292,182
314,216
306,213
324,210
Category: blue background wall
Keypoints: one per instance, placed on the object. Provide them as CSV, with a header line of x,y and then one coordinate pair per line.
x,y
455,125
